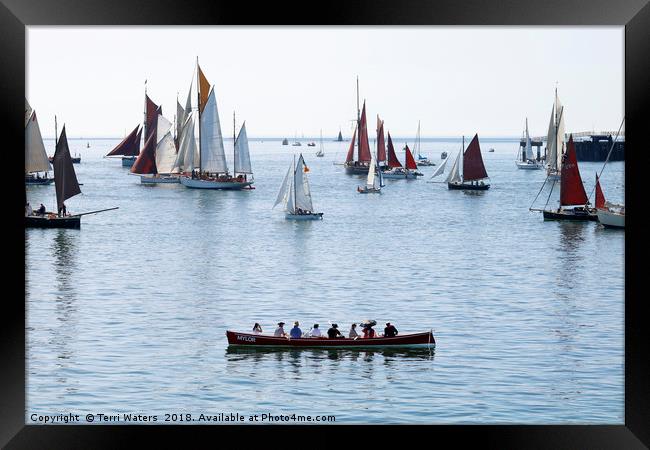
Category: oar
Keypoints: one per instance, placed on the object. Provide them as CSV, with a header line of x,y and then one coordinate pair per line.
x,y
95,212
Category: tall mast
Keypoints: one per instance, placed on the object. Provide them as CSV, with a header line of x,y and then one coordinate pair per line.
x,y
358,123
234,139
198,102
462,154
294,183
144,113
55,134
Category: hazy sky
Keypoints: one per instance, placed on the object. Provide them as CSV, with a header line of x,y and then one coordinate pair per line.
x,y
296,80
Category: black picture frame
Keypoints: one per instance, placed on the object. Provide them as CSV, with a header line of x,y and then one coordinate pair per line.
x,y
633,14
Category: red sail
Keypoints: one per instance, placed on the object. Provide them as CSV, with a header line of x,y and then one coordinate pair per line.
x,y
410,162
146,162
473,167
364,146
572,191
130,145
392,157
152,111
381,144
350,156
600,197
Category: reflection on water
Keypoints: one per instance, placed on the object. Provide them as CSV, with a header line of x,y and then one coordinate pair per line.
x,y
237,353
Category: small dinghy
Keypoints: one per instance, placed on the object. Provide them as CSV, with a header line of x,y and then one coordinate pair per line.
x,y
403,340
371,187
295,193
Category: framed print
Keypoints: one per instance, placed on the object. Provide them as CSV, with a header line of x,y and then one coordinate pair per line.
x,y
233,216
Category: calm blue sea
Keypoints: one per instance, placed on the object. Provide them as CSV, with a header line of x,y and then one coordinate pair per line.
x,y
129,313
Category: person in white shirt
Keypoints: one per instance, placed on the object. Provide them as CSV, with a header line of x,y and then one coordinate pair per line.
x,y
315,332
279,332
353,331
257,328
28,210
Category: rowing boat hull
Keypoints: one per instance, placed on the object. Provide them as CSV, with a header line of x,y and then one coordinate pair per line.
x,y
258,340
148,179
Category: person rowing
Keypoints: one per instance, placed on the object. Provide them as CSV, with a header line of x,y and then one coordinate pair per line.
x,y
334,332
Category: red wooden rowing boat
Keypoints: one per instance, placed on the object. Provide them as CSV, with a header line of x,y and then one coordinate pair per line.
x,y
402,340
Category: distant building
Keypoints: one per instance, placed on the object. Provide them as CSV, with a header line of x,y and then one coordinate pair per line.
x,y
596,147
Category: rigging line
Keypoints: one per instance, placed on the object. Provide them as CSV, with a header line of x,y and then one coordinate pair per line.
x,y
540,191
549,194
608,155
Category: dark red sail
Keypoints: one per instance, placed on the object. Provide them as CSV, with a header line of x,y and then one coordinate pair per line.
x,y
600,197
152,111
65,178
364,146
410,161
473,167
392,157
146,161
350,156
381,144
130,145
572,191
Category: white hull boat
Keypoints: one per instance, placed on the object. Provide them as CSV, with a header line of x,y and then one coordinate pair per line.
x,y
197,183
305,216
529,165
159,179
611,219
400,174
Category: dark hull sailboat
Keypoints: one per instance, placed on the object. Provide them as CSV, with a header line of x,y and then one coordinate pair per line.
x,y
578,213
51,220
470,177
129,148
574,203
67,186
38,181
360,165
468,186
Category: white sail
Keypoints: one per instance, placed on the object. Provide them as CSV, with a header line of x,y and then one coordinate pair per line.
x,y
162,127
301,189
165,154
560,143
213,156
454,174
440,169
282,194
35,157
289,202
370,182
180,119
321,150
28,112
187,149
551,143
528,152
416,146
242,162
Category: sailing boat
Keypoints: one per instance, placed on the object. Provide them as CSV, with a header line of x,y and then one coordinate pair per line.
x,y
371,187
128,148
574,204
361,164
156,161
205,167
321,151
295,194
381,146
285,141
469,172
36,160
422,160
555,143
340,137
67,186
525,157
409,171
610,215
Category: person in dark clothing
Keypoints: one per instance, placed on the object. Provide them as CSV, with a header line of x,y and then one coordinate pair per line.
x,y
62,210
41,209
390,330
333,332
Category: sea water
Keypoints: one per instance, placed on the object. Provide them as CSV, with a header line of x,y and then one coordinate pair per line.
x,y
128,314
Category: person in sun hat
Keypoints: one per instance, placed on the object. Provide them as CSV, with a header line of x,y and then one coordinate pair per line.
x,y
279,331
